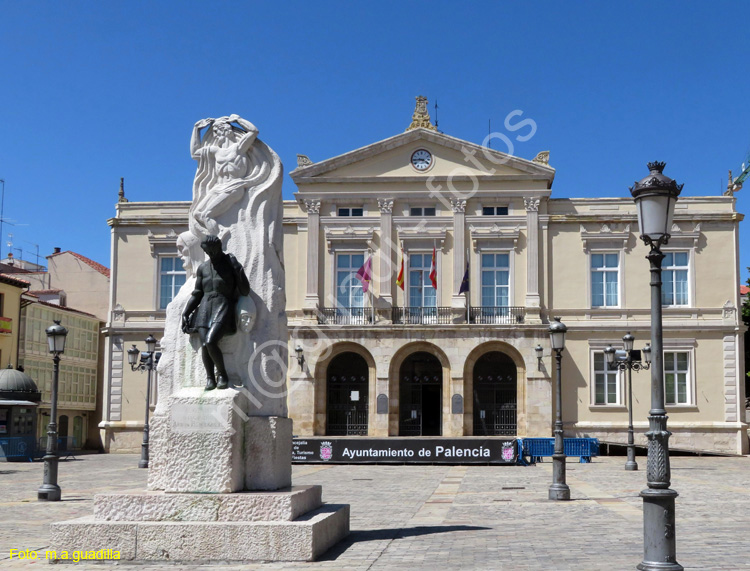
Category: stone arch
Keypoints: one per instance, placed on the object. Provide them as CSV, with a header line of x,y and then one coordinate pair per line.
x,y
321,389
394,385
471,360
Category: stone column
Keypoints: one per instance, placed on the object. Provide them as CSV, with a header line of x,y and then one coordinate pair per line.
x,y
312,296
387,251
459,251
532,260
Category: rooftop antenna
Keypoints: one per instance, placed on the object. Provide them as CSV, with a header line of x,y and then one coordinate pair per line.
x,y
37,251
10,242
20,253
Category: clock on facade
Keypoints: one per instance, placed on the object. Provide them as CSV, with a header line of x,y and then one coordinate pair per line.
x,y
421,159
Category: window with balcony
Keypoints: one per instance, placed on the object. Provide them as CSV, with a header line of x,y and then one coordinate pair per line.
x,y
351,211
350,299
677,378
494,211
606,385
421,292
422,211
674,277
605,270
171,278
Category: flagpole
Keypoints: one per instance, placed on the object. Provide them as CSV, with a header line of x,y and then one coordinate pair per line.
x,y
468,295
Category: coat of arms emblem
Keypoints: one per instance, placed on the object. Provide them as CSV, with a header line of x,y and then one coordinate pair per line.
x,y
507,452
326,450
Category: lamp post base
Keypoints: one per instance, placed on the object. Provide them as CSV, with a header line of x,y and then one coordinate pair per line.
x,y
48,493
631,466
559,490
659,530
143,462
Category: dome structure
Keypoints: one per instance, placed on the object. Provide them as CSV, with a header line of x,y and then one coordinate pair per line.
x,y
15,384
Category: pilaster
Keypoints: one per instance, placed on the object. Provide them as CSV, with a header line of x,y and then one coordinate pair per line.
x,y
459,251
533,302
387,249
312,295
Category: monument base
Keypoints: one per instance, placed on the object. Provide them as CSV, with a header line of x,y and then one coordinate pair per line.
x,y
285,525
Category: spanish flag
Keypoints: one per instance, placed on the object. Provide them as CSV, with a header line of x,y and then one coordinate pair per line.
x,y
400,278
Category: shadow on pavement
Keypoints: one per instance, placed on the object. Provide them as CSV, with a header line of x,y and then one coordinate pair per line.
x,y
360,535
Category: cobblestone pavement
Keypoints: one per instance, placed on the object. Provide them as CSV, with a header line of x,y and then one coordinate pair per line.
x,y
446,517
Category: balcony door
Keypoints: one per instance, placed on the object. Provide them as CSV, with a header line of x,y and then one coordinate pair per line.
x,y
350,299
422,296
495,288
420,395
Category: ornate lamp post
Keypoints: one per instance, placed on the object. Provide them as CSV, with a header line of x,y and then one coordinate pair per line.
x,y
49,490
627,360
147,362
655,197
559,490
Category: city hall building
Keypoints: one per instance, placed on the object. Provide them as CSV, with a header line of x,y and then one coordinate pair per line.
x,y
465,256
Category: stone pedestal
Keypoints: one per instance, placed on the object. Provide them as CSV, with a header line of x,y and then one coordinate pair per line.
x,y
286,525
219,490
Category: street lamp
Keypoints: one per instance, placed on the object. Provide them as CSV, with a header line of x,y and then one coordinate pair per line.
x,y
655,197
147,362
539,354
559,490
49,490
628,360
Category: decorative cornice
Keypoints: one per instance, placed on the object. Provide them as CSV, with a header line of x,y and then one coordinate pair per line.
x,y
531,204
481,234
303,161
541,158
348,235
385,205
458,205
601,232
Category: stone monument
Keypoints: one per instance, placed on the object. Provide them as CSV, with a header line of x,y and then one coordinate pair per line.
x,y
219,483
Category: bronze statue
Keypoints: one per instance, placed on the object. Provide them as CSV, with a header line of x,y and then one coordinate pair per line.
x,y
210,311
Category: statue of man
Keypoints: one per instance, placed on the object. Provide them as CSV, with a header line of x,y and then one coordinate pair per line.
x,y
227,167
219,282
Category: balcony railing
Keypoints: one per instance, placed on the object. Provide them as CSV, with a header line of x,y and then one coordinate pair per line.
x,y
345,315
505,315
422,315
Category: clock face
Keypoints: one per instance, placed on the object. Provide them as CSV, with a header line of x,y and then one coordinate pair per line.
x,y
421,159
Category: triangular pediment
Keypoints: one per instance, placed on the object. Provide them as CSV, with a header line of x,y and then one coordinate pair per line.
x,y
390,159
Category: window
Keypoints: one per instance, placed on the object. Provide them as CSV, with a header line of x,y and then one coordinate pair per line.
x,y
674,277
604,280
606,387
676,373
171,278
494,211
348,287
495,280
351,212
421,292
419,211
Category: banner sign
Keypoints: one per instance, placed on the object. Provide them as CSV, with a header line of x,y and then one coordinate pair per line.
x,y
468,450
6,325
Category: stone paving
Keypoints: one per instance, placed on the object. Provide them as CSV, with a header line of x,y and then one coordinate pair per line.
x,y
445,517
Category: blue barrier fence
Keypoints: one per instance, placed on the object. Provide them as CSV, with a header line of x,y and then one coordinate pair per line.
x,y
538,448
18,447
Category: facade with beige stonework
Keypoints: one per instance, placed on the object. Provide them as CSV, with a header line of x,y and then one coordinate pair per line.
x,y
419,360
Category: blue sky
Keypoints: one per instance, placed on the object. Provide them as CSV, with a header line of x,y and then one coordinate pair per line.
x,y
92,91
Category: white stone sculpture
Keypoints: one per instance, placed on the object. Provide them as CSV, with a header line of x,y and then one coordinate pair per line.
x,y
237,197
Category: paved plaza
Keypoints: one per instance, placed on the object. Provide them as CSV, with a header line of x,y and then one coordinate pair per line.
x,y
446,517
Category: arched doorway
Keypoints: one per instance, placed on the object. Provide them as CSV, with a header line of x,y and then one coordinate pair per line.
x,y
420,395
495,395
347,400
62,432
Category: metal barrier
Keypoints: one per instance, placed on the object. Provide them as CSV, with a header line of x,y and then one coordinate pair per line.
x,y
537,448
18,447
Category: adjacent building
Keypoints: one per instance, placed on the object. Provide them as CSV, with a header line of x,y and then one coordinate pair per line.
x,y
467,256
